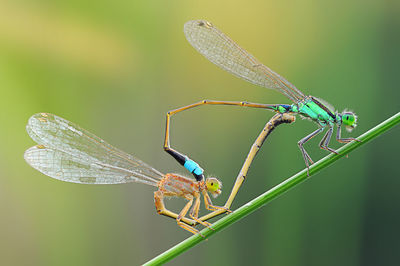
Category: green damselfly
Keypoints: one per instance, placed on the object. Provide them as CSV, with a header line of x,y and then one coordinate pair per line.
x,y
225,53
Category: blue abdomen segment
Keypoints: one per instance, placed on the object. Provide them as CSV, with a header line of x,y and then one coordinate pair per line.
x,y
283,108
193,167
189,164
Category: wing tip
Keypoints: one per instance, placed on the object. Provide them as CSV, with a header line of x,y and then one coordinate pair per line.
x,y
42,117
29,152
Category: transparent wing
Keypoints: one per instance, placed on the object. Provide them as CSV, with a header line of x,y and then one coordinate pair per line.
x,y
225,53
70,153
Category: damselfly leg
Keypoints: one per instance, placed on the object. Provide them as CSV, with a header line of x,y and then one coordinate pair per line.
x,y
325,141
343,140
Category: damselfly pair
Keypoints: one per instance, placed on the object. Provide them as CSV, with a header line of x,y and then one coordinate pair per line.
x,y
69,153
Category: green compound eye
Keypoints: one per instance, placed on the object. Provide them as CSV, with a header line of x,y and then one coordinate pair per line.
x,y
349,119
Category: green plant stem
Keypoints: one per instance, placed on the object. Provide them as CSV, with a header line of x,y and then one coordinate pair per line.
x,y
274,192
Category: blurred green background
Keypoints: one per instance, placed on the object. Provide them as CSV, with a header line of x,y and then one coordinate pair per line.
x,y
116,68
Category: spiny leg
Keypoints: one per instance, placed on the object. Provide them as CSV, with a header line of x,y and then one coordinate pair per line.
x,y
343,140
306,157
325,141
182,214
194,213
210,206
160,207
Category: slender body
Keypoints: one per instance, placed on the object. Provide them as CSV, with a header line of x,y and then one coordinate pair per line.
x,y
69,153
225,53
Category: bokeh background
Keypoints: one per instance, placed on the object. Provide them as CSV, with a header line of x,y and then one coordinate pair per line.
x,y
116,68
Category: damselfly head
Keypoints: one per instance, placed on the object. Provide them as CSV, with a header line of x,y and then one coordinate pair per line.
x,y
214,186
349,120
